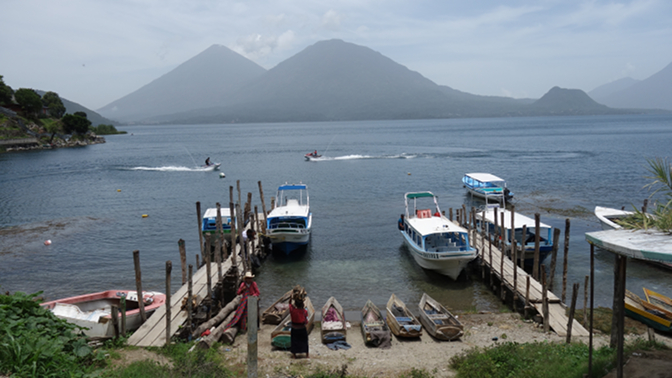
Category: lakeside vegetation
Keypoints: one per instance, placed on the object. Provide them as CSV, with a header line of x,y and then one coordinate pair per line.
x,y
660,176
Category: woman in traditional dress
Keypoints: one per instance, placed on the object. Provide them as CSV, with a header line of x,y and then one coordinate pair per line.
x,y
299,331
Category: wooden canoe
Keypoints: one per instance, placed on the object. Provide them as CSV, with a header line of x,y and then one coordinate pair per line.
x,y
372,321
277,311
651,315
437,320
333,322
281,336
401,321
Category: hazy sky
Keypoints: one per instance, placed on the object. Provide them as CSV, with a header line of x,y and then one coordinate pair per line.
x,y
94,52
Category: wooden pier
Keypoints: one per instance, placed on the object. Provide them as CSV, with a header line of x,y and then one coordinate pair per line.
x,y
515,279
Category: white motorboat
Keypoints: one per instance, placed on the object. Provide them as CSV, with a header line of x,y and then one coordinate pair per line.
x,y
209,225
435,242
211,167
485,219
487,186
92,312
289,223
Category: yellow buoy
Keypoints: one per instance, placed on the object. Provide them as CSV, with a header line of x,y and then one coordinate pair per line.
x,y
409,173
118,190
145,215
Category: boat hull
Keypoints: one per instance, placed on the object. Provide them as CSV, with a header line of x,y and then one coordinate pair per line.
x,y
400,320
93,311
447,264
289,242
438,321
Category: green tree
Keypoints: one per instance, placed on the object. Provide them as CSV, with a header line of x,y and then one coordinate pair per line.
x,y
29,100
6,92
74,123
52,101
81,114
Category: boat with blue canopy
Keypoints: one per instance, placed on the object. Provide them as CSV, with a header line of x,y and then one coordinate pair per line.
x,y
487,186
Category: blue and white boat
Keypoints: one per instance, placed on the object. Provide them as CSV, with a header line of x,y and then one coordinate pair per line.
x,y
435,242
290,221
485,220
209,225
487,186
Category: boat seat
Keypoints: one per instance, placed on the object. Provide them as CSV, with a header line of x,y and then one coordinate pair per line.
x,y
438,316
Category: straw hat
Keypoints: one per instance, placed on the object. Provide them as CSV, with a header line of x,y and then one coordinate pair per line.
x,y
249,275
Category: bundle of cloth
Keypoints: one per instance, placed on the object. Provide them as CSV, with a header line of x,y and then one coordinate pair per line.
x,y
298,293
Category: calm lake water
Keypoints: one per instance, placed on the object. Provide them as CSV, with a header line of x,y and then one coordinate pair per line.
x,y
561,167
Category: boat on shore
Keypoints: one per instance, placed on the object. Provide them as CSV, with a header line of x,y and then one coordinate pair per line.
x,y
281,336
490,221
438,321
401,320
487,186
94,311
333,322
654,315
609,217
374,327
290,221
278,310
434,241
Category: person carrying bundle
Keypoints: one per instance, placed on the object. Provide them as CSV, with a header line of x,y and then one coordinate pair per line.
x,y
299,314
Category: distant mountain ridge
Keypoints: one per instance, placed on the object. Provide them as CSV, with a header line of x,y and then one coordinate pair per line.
x,y
208,79
654,92
600,93
328,81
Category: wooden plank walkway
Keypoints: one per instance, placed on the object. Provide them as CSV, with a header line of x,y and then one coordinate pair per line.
x,y
556,310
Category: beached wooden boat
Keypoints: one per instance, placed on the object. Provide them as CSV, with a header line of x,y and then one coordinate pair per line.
x,y
437,320
333,321
281,336
372,323
93,311
401,321
277,311
656,317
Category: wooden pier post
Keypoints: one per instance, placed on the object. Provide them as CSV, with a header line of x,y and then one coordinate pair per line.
x,y
239,201
512,237
502,236
207,271
115,320
200,230
535,267
138,285
218,243
263,208
523,247
572,307
243,245
495,214
252,336
514,249
554,258
183,260
502,289
527,296
492,267
585,300
450,214
122,303
190,296
564,262
234,255
169,268
544,298
463,214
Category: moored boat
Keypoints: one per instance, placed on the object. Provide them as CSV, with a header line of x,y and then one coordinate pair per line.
x,y
437,320
487,186
374,328
333,322
401,321
651,314
209,224
278,310
490,221
290,221
94,311
281,336
609,217
435,242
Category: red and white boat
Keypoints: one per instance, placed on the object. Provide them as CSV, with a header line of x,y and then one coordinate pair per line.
x,y
312,156
93,311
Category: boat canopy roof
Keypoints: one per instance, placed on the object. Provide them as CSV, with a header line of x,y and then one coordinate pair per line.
x,y
519,220
484,177
434,225
420,195
293,187
640,244
212,212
